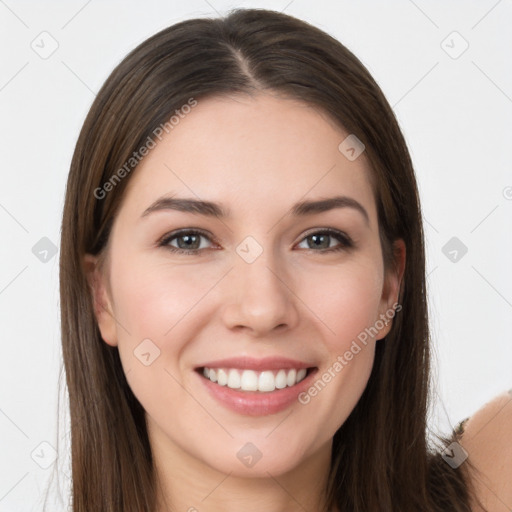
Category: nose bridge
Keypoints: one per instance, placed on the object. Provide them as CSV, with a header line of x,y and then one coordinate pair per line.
x,y
260,298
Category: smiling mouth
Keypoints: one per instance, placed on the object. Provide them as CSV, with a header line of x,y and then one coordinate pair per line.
x,y
265,381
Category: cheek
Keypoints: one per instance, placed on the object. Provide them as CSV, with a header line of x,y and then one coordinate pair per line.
x,y
154,306
345,298
151,299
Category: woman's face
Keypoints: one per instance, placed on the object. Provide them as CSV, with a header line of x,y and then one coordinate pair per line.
x,y
221,257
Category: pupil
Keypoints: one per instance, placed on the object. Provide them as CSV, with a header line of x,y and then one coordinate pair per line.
x,y
318,243
189,241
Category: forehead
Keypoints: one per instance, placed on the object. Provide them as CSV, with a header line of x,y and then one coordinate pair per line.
x,y
255,152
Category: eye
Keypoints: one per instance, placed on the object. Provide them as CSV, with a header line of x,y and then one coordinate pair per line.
x,y
189,241
322,240
185,241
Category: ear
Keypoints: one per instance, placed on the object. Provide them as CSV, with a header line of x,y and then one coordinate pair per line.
x,y
102,302
389,305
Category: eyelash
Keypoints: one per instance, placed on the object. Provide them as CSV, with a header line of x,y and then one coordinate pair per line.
x,y
345,241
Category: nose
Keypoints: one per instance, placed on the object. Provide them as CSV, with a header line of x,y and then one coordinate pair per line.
x,y
260,298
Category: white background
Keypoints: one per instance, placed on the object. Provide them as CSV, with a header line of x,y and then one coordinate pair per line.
x,y
456,114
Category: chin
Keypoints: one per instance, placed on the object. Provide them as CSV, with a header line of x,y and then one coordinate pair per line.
x,y
259,457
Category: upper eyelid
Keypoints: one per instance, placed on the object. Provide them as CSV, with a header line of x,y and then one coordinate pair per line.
x,y
181,232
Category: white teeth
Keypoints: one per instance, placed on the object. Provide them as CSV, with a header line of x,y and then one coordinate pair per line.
x,y
266,382
291,378
281,379
222,377
301,374
249,380
233,379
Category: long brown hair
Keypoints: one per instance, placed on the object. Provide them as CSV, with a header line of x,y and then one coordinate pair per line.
x,y
382,459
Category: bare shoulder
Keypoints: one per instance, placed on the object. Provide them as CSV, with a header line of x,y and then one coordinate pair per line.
x,y
487,439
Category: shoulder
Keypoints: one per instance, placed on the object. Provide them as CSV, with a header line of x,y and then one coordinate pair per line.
x,y
487,439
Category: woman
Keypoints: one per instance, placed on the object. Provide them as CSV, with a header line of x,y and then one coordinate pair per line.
x,y
243,288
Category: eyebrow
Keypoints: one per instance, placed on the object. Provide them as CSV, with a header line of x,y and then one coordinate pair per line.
x,y
212,209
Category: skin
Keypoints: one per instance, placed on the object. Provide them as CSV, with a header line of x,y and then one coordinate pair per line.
x,y
257,156
486,440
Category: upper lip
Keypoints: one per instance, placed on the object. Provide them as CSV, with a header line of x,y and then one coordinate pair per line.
x,y
249,363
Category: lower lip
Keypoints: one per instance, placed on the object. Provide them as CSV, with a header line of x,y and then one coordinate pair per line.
x,y
257,403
